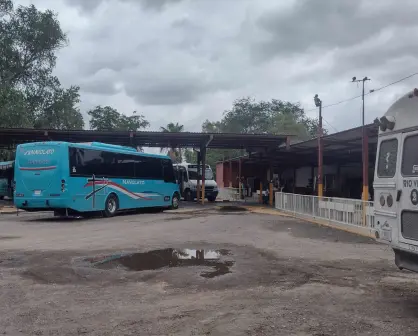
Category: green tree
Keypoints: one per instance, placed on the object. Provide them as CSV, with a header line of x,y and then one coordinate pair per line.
x,y
250,116
174,152
190,156
29,40
275,116
62,112
109,119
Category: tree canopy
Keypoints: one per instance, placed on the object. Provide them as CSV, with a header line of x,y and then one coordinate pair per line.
x,y
109,119
30,95
174,152
250,116
276,117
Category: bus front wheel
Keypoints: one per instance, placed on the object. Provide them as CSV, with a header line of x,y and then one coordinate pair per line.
x,y
111,205
175,200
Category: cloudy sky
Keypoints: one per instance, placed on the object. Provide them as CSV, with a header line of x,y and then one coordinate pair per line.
x,y
187,60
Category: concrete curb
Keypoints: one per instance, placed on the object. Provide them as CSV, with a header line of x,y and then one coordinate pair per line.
x,y
8,210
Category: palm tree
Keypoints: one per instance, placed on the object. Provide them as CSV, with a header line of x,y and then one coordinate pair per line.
x,y
174,153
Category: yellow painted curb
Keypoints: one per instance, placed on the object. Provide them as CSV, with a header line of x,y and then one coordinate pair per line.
x,y
269,211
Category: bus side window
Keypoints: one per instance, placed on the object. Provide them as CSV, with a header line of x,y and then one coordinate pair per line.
x,y
168,171
409,166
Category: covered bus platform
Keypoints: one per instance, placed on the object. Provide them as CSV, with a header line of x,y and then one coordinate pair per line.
x,y
294,168
200,142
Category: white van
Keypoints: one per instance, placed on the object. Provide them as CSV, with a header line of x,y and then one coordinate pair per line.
x,y
187,179
396,180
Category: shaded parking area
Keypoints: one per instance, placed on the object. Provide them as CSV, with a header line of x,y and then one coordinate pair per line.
x,y
158,274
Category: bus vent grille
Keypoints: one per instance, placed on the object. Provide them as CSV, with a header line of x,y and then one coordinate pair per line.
x,y
409,225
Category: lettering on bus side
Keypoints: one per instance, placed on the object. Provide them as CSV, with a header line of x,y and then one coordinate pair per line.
x,y
39,152
38,162
410,183
133,182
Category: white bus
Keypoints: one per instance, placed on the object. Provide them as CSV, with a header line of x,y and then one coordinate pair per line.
x,y
396,180
187,179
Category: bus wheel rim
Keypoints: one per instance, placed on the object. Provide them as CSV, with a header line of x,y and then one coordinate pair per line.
x,y
175,202
111,205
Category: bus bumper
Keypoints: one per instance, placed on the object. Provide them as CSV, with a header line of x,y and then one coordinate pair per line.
x,y
406,260
39,204
208,194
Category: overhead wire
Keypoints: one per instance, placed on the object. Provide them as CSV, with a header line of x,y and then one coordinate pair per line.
x,y
359,96
366,94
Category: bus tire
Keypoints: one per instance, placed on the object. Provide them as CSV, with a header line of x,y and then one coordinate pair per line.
x,y
211,199
111,205
175,201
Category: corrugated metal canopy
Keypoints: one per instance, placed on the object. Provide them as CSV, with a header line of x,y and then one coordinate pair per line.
x,y
251,142
341,147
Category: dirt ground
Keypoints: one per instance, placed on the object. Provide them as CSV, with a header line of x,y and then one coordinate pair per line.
x,y
287,277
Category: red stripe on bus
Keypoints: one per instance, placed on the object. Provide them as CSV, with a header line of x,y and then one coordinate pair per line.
x,y
38,168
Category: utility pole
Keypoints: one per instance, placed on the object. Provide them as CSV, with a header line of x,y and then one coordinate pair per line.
x,y
364,144
318,103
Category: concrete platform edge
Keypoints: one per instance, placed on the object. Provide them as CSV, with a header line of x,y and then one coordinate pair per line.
x,y
362,231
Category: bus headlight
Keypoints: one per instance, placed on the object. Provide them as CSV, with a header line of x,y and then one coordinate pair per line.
x,y
382,200
389,201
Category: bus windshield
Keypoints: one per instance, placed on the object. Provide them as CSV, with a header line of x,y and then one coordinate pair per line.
x,y
193,174
386,165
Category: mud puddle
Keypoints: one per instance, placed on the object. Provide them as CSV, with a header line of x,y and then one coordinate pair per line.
x,y
232,208
167,258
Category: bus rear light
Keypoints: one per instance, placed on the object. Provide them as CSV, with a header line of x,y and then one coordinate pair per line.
x,y
389,201
382,200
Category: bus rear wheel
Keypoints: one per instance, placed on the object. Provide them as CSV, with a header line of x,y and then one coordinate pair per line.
x,y
111,205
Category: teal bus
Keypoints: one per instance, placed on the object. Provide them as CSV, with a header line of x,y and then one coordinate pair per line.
x,y
6,178
83,178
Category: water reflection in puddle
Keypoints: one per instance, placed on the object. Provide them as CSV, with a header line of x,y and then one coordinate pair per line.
x,y
157,259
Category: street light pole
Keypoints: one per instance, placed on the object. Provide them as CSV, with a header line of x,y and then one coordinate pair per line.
x,y
318,103
364,144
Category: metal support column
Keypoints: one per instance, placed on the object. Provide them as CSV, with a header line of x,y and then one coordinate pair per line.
x,y
203,154
230,173
239,178
313,179
365,144
270,179
318,103
199,158
260,199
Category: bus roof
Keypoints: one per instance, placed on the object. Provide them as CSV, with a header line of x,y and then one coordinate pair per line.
x,y
404,112
96,145
189,165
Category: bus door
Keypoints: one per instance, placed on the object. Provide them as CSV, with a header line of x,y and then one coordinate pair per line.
x,y
408,181
98,192
182,173
386,188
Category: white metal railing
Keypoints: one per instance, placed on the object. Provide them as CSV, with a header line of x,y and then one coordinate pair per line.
x,y
343,211
230,194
